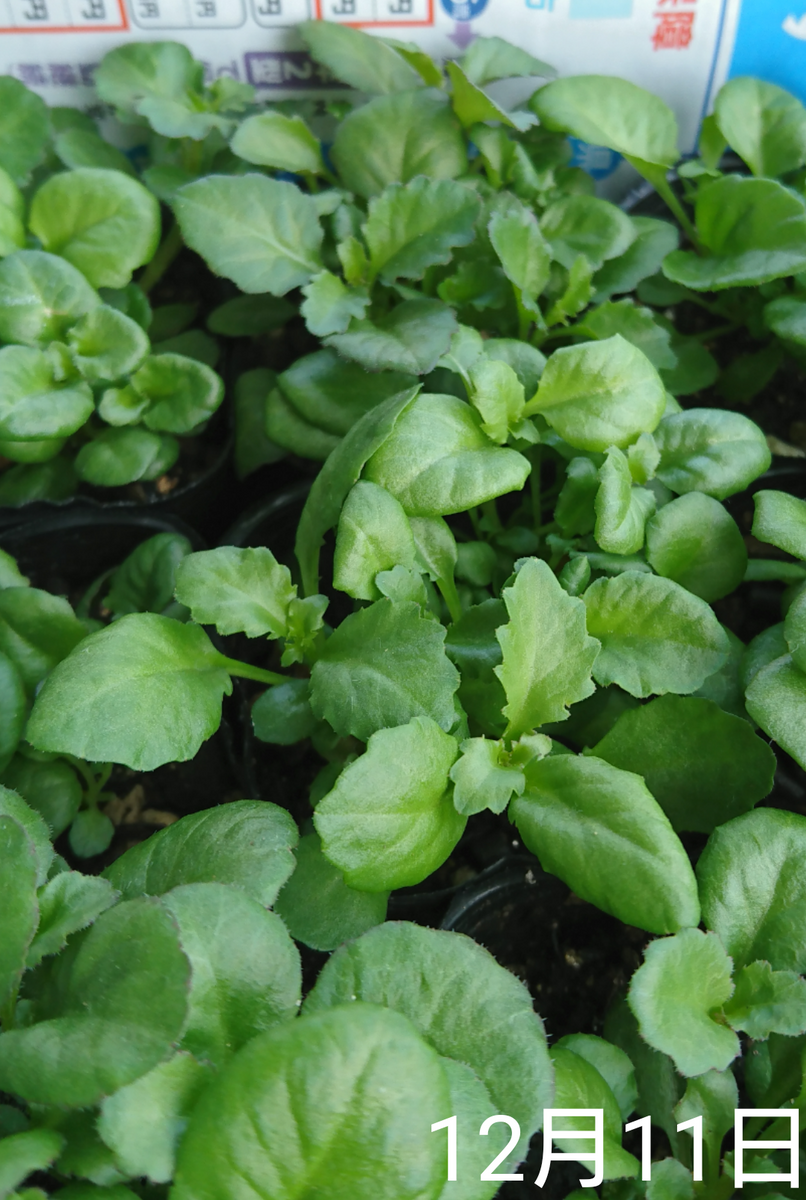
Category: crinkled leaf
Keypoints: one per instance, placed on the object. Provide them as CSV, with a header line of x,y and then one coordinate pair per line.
x,y
410,338
246,843
373,535
521,249
483,779
264,234
710,450
329,306
145,691
382,667
586,225
498,395
68,902
656,637
145,580
767,1001
106,344
22,1154
41,295
695,542
237,590
683,982
701,764
37,630
642,259
51,788
622,510
413,226
600,830
181,392
19,863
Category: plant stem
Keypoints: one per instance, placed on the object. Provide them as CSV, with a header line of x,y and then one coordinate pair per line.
x,y
524,317
662,187
536,457
166,253
245,671
451,597
490,510
719,331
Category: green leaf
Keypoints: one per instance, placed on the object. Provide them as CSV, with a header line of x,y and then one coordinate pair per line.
x,y
24,1153
547,655
24,129
20,868
10,574
498,395
390,820
364,62
415,226
683,982
521,249
37,630
473,106
120,456
271,139
461,1001
238,591
329,306
246,843
776,700
483,777
319,908
701,764
33,403
671,1180
338,476
578,1085
252,447
600,394
249,316
765,125
586,225
283,715
181,392
637,325
795,629
264,234
41,296
753,890
373,535
332,1101
111,1011
410,338
13,709
575,513
143,1123
786,317
714,1097
144,691
472,1104
245,969
86,148
599,829
438,460
780,519
51,788
287,429
489,58
472,644
612,1064
333,394
767,1001
622,510
724,687
656,637
143,71
607,111
145,580
107,345
103,222
710,450
527,362
12,805
68,902
427,141
696,367
659,1085
695,542
91,833
653,241
753,230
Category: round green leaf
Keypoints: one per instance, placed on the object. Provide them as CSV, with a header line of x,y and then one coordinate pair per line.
x,y
32,403
754,230
181,391
103,222
283,714
461,1001
764,124
24,128
106,345
781,520
119,1005
600,394
91,833
683,982
438,460
599,829
41,296
264,234
128,74
586,225
753,888
701,764
710,450
373,535
246,973
120,456
144,691
145,581
390,820
37,630
656,637
607,111
383,666
695,542
319,908
410,338
364,62
271,139
335,1104
427,141
246,843
776,699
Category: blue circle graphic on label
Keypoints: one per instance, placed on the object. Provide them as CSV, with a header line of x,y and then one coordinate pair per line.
x,y
598,161
463,10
